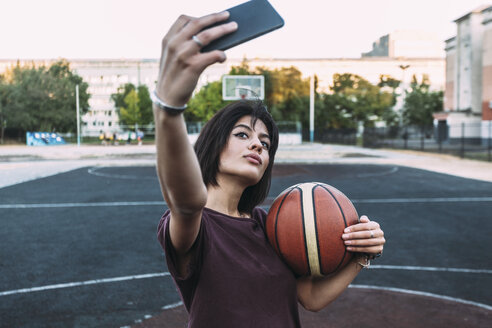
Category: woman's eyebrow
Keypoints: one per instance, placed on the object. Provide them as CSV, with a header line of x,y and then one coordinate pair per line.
x,y
262,135
243,126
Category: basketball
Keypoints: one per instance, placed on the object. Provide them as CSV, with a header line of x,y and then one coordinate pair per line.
x,y
305,225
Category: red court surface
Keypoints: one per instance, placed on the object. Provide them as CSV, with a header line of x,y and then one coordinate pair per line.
x,y
366,308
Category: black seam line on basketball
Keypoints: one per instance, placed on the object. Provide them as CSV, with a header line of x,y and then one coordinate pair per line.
x,y
316,230
304,234
276,220
344,221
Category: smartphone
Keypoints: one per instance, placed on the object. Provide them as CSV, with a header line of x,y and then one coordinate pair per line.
x,y
254,18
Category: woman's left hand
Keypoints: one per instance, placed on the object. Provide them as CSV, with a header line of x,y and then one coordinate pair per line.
x,y
364,237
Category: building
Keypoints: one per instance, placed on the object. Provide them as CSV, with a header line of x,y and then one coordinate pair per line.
x,y
104,78
487,76
468,92
106,75
369,68
407,43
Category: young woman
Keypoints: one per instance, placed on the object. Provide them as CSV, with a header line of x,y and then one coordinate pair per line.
x,y
213,233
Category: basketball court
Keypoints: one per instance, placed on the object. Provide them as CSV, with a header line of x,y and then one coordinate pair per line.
x,y
79,249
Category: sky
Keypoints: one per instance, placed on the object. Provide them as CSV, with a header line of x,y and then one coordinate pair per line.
x,y
134,29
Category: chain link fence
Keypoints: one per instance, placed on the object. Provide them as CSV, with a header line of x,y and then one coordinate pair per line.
x,y
467,140
333,136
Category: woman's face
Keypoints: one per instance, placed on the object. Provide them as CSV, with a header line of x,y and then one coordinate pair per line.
x,y
245,156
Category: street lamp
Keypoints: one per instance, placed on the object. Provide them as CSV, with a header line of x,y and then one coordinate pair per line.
x,y
403,69
78,113
403,89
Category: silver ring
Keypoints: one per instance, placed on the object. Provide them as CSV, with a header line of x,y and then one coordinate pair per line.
x,y
372,234
197,41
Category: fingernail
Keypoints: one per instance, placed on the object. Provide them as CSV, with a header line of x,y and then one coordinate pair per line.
x,y
224,14
233,25
346,230
348,242
344,236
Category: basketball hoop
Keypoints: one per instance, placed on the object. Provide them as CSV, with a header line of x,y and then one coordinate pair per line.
x,y
240,87
243,92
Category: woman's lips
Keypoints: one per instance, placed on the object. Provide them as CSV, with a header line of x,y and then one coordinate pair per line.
x,y
253,158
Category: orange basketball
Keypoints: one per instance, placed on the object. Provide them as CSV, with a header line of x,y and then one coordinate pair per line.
x,y
305,225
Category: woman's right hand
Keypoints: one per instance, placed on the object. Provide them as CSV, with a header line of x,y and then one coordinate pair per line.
x,y
181,60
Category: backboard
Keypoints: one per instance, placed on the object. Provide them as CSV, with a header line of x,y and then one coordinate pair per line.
x,y
237,87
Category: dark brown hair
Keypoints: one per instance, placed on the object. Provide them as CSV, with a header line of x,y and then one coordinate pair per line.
x,y
214,137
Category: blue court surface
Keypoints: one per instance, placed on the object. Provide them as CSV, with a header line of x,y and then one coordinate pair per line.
x,y
79,249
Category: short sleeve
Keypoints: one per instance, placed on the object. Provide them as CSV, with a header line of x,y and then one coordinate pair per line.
x,y
164,238
260,216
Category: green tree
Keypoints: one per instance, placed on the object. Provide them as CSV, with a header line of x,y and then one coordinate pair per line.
x,y
3,108
119,97
205,103
286,92
269,84
333,111
241,69
41,98
130,114
386,82
360,99
145,105
287,98
208,100
127,114
421,103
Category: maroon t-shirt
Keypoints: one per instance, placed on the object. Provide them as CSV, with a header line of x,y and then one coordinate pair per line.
x,y
235,278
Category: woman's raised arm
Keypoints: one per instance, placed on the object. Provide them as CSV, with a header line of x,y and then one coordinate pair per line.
x,y
177,166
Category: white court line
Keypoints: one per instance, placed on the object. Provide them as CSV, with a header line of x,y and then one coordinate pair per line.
x,y
161,274
419,268
397,290
94,171
172,306
83,283
154,203
378,174
414,292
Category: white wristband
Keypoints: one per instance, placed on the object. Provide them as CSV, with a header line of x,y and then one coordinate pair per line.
x,y
168,108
